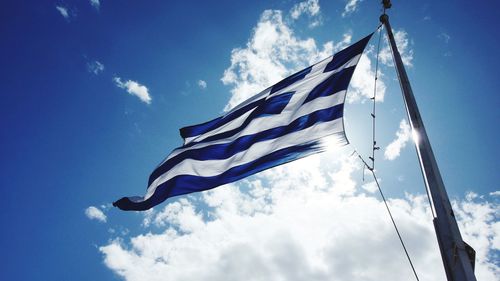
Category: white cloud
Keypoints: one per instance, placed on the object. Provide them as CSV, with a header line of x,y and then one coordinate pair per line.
x,y
479,225
310,7
404,48
495,193
346,41
202,84
311,225
471,195
350,7
403,135
63,11
134,88
371,187
445,37
363,81
95,3
95,67
95,213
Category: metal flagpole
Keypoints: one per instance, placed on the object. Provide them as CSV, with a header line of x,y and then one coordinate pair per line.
x,y
458,257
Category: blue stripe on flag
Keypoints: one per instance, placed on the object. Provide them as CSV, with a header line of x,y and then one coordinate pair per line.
x,y
185,184
265,106
195,130
291,79
346,54
335,83
273,105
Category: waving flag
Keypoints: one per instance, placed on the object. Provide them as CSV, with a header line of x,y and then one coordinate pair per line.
x,y
282,123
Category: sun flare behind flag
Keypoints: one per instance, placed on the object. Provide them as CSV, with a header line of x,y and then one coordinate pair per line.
x,y
283,123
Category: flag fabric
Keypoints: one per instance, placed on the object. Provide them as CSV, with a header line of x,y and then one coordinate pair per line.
x,y
285,122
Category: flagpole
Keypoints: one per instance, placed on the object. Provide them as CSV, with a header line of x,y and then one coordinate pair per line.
x,y
457,256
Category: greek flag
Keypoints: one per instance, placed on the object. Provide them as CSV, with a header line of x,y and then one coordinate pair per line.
x,y
283,123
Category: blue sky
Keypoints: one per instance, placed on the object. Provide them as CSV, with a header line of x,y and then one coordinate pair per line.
x,y
94,92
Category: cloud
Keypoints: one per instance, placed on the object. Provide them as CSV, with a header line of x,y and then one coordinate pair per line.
x,y
350,7
134,88
403,135
310,8
95,3
95,67
297,222
94,213
363,80
370,187
478,222
403,43
202,84
445,37
64,12
495,193
274,52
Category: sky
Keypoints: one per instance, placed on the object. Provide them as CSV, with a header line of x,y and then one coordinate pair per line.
x,y
94,92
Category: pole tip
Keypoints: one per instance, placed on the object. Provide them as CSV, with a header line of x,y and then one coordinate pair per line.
x,y
387,4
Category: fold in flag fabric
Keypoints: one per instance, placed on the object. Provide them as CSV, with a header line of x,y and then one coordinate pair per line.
x,y
285,122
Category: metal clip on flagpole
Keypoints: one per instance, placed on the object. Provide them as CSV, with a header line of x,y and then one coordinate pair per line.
x,y
458,257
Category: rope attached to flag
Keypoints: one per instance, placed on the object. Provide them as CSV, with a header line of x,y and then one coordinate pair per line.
x,y
389,212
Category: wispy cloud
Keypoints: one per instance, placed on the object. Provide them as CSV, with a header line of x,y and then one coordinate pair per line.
x,y
95,67
393,150
95,213
202,84
445,37
310,8
350,7
134,88
95,3
404,48
65,12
